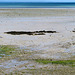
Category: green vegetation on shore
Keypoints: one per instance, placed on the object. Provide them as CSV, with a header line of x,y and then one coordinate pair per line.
x,y
62,62
6,50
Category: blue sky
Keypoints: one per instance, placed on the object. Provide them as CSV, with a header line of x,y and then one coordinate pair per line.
x,y
37,0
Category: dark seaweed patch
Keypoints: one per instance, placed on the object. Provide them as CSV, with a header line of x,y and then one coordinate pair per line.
x,y
29,33
73,31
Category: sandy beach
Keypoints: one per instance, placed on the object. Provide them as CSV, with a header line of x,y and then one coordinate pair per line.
x,y
58,46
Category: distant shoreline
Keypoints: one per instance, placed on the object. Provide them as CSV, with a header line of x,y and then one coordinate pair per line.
x,y
37,8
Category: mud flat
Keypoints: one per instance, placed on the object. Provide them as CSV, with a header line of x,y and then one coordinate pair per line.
x,y
37,41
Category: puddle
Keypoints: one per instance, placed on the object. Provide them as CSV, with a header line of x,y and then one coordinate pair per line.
x,y
12,63
3,55
70,50
18,65
0,37
29,32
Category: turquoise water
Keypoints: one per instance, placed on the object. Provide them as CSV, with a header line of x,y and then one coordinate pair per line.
x,y
36,5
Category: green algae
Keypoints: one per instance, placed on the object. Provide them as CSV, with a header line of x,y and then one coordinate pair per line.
x,y
62,62
6,50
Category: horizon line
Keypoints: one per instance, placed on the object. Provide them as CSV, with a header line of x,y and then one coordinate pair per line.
x,y
39,2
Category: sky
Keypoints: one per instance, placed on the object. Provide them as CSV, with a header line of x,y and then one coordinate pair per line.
x,y
37,0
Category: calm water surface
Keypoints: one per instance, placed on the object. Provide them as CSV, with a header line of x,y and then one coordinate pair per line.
x,y
36,5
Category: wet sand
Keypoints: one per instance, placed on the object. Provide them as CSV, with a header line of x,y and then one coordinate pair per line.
x,y
56,46
59,20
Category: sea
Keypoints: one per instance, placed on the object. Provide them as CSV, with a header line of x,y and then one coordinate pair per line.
x,y
36,5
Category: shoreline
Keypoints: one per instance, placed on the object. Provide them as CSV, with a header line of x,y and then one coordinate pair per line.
x,y
37,8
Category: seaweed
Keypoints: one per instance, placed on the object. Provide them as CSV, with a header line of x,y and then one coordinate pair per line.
x,y
62,62
29,32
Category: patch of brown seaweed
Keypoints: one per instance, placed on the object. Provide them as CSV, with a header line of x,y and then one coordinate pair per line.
x,y
29,32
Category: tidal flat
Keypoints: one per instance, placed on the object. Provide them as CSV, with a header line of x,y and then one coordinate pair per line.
x,y
37,54
21,62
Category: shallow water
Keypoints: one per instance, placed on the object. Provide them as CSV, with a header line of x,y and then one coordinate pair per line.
x,y
12,63
36,5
